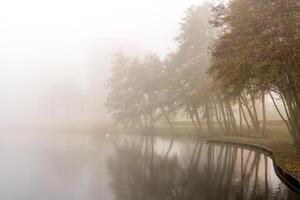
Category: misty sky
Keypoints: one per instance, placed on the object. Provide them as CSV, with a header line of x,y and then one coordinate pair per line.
x,y
44,44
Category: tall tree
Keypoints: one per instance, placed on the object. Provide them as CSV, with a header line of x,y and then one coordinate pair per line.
x,y
258,51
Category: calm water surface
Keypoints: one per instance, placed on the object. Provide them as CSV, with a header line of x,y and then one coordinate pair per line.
x,y
91,166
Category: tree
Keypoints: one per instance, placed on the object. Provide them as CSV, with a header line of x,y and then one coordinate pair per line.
x,y
258,52
188,65
138,94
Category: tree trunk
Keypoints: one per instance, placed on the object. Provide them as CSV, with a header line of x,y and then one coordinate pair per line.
x,y
207,113
263,103
232,118
192,118
224,118
245,117
197,117
251,115
293,109
167,118
240,117
255,112
217,117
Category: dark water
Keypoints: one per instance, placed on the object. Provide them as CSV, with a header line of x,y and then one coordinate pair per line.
x,y
90,167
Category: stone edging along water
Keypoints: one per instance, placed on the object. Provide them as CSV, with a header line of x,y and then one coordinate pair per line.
x,y
290,180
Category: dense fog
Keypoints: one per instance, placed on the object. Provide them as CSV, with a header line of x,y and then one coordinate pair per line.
x,y
55,55
149,99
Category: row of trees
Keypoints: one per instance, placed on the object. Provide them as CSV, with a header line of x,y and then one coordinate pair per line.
x,y
230,57
258,52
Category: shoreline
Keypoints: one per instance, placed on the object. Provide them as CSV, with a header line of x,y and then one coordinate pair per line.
x,y
288,178
278,146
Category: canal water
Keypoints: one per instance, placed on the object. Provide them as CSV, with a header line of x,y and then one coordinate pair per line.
x,y
58,166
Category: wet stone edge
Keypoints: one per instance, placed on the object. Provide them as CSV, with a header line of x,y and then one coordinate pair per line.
x,y
290,180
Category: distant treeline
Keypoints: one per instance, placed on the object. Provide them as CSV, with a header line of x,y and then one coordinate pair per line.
x,y
230,58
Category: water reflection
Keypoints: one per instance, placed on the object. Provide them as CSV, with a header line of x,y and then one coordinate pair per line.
x,y
142,168
60,166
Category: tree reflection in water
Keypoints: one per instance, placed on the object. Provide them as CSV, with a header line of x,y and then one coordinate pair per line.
x,y
140,172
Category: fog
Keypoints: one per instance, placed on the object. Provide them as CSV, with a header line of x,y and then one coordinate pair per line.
x,y
51,50
156,99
